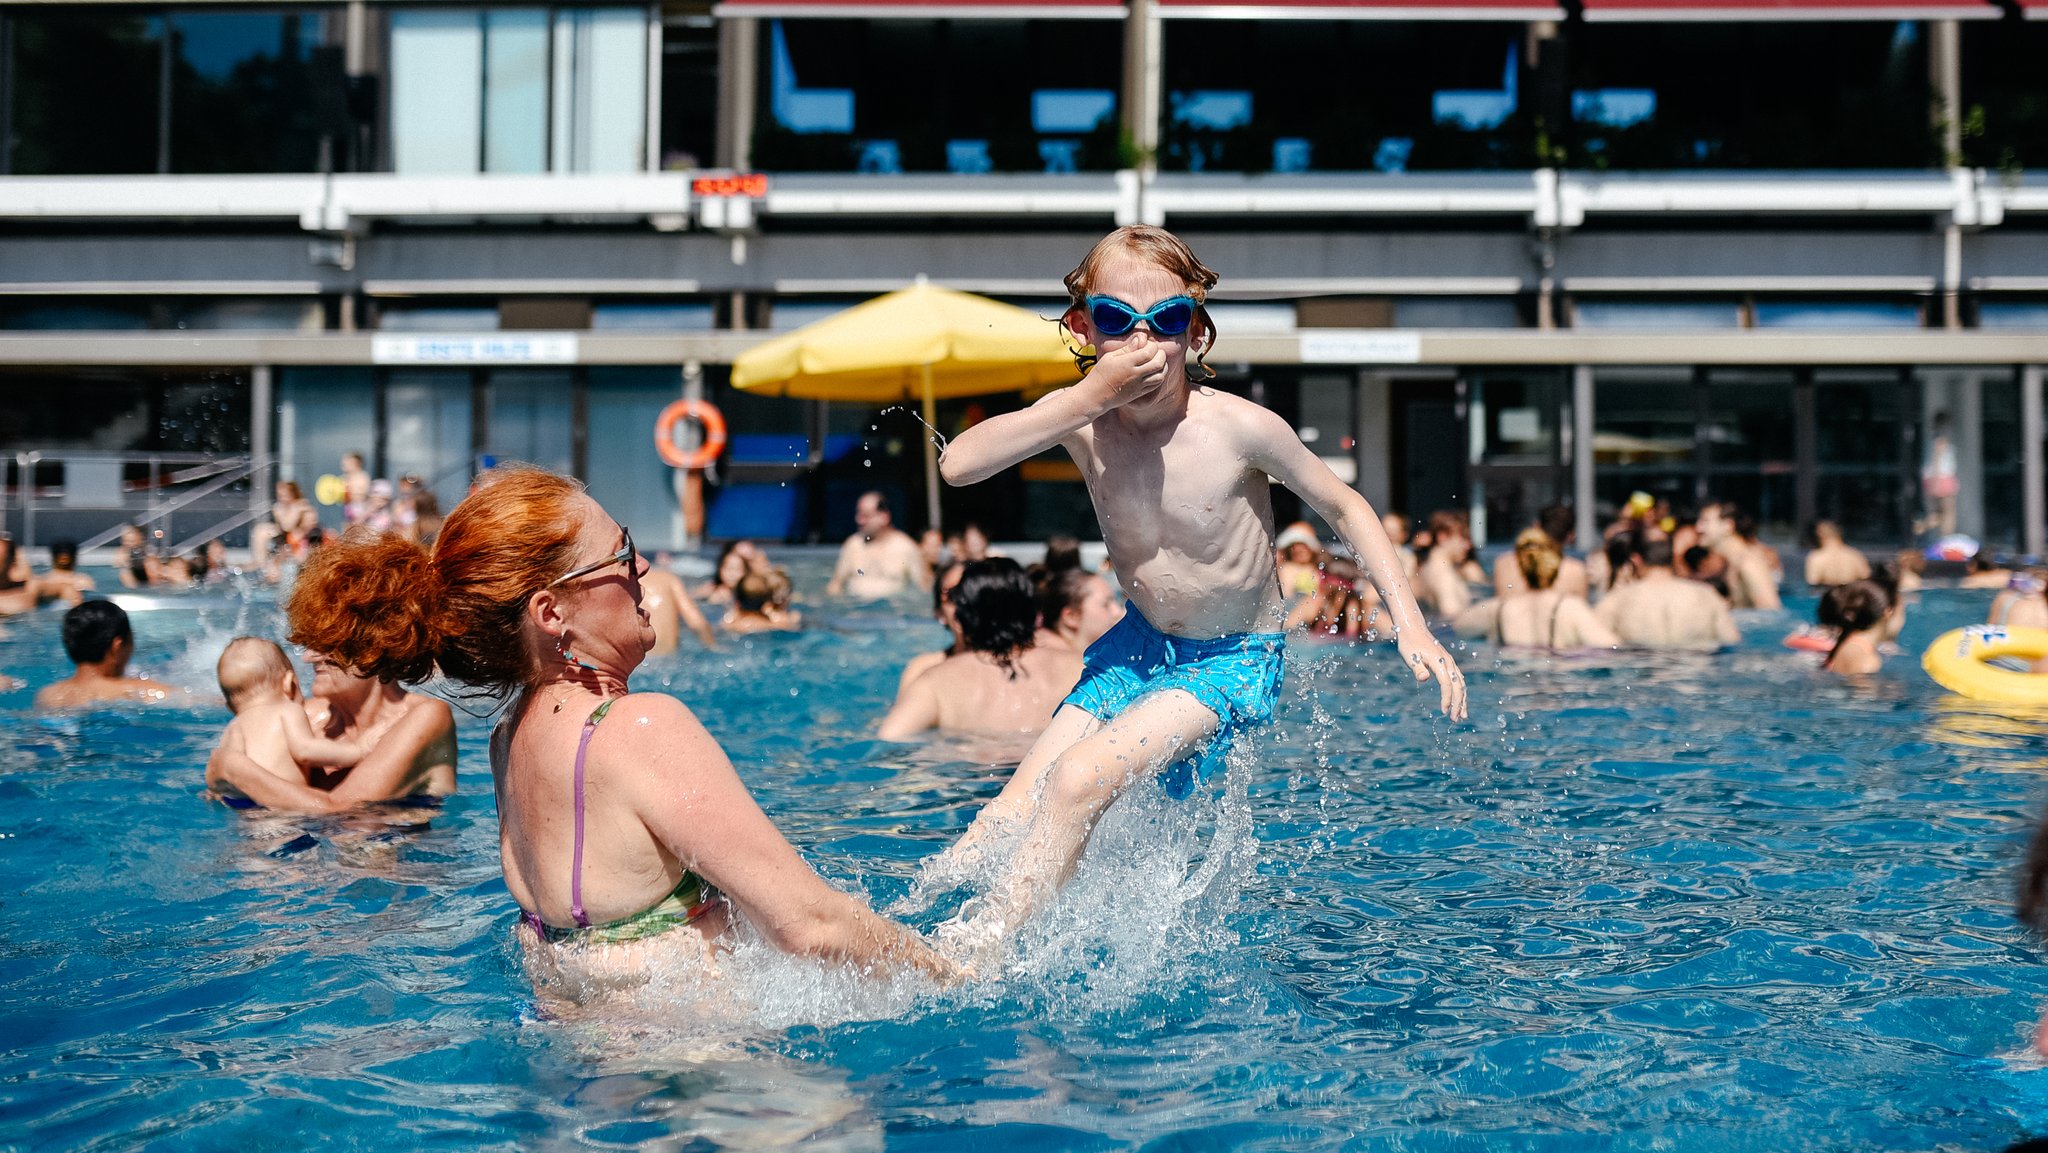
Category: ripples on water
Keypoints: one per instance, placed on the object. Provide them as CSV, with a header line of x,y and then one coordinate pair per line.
x,y
1646,903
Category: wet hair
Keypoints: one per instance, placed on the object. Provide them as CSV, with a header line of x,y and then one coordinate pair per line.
x,y
292,487
1057,590
1557,522
1653,551
1619,548
756,591
1745,523
1156,246
91,628
249,664
381,606
939,588
1852,608
1061,552
996,611
1538,556
63,554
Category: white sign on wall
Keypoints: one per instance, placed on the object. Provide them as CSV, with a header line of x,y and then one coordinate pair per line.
x,y
508,348
1355,346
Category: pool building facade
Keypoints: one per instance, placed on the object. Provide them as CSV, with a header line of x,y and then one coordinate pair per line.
x,y
1485,256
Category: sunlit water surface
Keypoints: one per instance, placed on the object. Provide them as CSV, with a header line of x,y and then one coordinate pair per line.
x,y
1639,903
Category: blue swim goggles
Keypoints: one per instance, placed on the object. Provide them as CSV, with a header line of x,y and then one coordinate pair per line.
x,y
1112,317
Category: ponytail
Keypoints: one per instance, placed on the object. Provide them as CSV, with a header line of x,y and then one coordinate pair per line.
x,y
382,606
371,602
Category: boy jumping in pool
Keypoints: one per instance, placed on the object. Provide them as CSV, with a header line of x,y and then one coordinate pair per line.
x,y
1179,476
262,689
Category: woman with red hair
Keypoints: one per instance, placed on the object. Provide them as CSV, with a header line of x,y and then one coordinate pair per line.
x,y
620,818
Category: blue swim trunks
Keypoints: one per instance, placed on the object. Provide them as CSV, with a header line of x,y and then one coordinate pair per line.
x,y
1236,677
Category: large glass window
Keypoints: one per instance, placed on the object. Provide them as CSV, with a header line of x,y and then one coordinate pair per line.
x,y
1749,95
531,417
227,91
2005,111
1344,95
518,90
1859,424
689,91
321,414
1519,432
962,96
427,430
1644,422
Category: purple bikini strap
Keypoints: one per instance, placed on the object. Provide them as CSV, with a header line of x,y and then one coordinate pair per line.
x,y
576,868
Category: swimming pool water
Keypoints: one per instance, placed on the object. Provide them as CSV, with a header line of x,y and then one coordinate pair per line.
x,y
1643,903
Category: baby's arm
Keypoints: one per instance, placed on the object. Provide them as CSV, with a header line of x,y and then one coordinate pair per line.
x,y
1001,441
308,749
1272,447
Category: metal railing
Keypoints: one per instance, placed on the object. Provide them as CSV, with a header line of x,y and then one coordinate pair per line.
x,y
97,494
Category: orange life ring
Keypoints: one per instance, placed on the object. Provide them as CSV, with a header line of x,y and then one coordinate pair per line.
x,y
707,417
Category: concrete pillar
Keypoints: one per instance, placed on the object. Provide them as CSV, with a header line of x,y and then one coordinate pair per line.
x,y
262,467
1968,431
1945,87
1144,80
739,74
653,159
1585,516
1952,276
2033,500
1372,439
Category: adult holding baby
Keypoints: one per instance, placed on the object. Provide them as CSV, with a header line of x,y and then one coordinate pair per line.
x,y
407,739
620,818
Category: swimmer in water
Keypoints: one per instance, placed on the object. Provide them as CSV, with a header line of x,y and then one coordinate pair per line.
x,y
669,604
1002,683
1658,609
1831,562
100,643
20,591
262,690
1543,615
879,560
1555,522
758,605
1075,607
1180,475
1865,614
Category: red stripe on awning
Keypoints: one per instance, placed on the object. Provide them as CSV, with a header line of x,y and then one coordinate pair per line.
x,y
1363,9
1702,10
2034,9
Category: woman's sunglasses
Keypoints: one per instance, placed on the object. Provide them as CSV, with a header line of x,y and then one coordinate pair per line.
x,y
626,556
1112,317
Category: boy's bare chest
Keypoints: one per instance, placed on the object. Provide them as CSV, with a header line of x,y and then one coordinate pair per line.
x,y
1182,489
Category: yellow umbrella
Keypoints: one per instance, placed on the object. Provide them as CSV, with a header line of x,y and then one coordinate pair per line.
x,y
916,344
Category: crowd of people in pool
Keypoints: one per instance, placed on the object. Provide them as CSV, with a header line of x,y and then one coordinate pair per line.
x,y
624,826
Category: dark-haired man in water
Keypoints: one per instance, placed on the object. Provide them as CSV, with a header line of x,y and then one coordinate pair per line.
x,y
99,642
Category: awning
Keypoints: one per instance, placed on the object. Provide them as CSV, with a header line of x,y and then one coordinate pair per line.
x,y
1505,10
2034,9
1741,10
923,9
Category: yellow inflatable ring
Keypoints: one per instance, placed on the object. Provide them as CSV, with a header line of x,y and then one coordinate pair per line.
x,y
330,489
1957,662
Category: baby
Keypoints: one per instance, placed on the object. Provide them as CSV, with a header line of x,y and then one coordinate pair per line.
x,y
262,690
